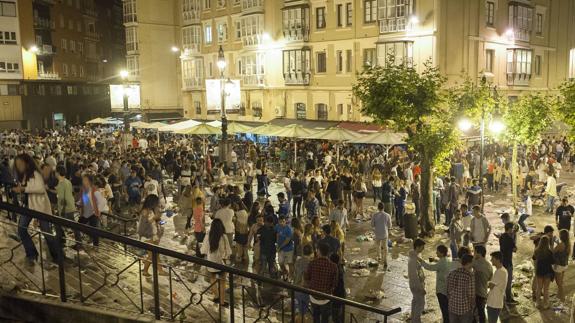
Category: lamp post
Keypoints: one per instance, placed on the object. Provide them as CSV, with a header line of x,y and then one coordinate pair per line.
x,y
496,126
224,143
124,75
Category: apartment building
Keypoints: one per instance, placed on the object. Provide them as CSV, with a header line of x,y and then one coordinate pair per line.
x,y
298,59
58,73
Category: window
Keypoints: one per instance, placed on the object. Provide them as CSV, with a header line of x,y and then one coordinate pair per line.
x,y
369,11
251,68
489,59
130,11
321,111
340,16
537,65
518,66
521,20
81,71
257,110
321,59
296,66
64,44
399,52
238,29
296,23
198,107
73,70
320,18
9,67
7,9
65,69
72,46
207,4
338,61
300,112
71,90
340,109
191,37
252,29
8,37
348,14
208,34
348,61
539,25
131,39
394,15
222,29
133,65
572,63
80,46
369,57
490,13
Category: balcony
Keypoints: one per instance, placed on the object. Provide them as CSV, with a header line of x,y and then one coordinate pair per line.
x,y
253,80
191,17
296,34
92,36
392,25
192,83
48,76
45,50
297,78
42,23
519,79
190,50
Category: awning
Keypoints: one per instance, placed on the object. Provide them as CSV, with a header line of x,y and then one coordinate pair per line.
x,y
310,124
163,116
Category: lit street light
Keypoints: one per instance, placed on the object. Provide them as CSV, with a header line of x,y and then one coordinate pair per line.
x,y
496,126
175,49
34,49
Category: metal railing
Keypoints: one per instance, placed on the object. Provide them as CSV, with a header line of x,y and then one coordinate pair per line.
x,y
257,297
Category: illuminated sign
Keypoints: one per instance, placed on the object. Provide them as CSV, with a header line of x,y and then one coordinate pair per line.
x,y
117,97
214,95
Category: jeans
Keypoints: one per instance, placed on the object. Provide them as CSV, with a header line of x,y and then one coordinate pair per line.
x,y
508,293
28,244
399,210
92,221
268,263
480,307
493,314
453,248
550,203
521,221
321,313
297,203
417,306
465,318
443,306
337,312
302,301
376,193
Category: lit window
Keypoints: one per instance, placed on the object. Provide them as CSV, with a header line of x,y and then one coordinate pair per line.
x,y
518,66
394,15
208,34
401,52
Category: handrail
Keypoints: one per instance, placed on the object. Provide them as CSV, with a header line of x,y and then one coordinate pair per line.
x,y
196,260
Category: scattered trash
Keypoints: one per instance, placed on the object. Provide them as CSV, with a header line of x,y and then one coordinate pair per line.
x,y
363,263
361,273
526,267
376,294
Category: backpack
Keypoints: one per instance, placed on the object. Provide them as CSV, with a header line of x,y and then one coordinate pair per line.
x,y
145,228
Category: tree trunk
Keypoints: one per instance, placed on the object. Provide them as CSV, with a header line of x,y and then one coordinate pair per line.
x,y
514,174
427,216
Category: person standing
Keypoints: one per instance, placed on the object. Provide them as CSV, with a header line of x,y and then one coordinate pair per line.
x,y
441,268
483,273
461,291
551,190
65,196
480,229
387,194
455,233
226,214
561,256
416,281
339,215
507,248
285,248
526,211
453,199
381,223
218,250
544,261
300,268
564,214
92,202
266,235
297,190
497,286
322,276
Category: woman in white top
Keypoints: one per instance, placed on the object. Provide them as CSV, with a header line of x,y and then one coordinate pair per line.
x,y
218,250
150,228
31,184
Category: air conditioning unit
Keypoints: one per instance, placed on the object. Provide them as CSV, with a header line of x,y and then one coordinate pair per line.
x,y
280,112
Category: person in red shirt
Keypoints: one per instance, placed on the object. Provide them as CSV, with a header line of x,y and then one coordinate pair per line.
x,y
416,170
321,275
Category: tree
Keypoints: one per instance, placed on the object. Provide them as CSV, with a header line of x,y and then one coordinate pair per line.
x,y
525,121
566,105
418,103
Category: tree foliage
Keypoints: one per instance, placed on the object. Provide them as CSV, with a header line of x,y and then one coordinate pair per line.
x,y
528,118
566,105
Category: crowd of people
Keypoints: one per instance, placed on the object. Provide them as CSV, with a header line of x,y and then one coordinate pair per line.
x,y
299,234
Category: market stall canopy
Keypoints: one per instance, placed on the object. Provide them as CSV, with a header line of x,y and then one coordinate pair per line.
x,y
215,123
294,131
381,138
202,129
265,130
335,134
140,125
180,126
96,121
235,127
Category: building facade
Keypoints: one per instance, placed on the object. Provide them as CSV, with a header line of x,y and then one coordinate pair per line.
x,y
67,53
299,59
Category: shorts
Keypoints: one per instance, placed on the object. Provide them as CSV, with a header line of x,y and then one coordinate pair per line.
x,y
559,268
285,257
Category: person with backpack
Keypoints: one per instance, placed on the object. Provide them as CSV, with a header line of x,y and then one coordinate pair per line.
x,y
150,228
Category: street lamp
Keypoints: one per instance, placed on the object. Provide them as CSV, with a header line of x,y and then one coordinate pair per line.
x,y
124,75
496,126
175,49
224,144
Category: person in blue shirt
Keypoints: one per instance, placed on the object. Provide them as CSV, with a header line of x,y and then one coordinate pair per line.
x,y
133,186
284,207
285,247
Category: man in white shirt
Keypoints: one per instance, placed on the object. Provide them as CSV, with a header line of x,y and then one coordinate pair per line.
x,y
551,190
234,159
480,228
143,143
226,214
496,294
